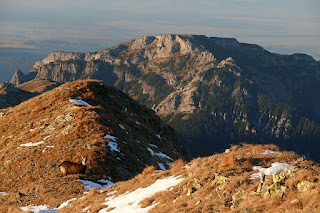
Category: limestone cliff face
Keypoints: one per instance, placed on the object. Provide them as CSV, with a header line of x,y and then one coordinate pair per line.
x,y
205,87
18,78
285,77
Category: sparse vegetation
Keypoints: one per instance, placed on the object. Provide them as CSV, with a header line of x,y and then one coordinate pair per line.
x,y
149,170
39,134
222,183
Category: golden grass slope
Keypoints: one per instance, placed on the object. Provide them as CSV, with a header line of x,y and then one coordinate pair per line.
x,y
38,85
56,130
221,183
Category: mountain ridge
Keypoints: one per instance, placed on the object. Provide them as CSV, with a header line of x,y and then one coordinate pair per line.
x,y
245,178
255,96
83,118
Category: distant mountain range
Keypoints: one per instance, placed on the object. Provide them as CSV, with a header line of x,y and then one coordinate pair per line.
x,y
213,91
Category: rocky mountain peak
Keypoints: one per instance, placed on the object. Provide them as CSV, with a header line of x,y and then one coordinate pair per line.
x,y
18,78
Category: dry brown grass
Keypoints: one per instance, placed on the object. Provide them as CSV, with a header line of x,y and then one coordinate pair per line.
x,y
149,170
229,160
201,191
34,171
178,163
37,85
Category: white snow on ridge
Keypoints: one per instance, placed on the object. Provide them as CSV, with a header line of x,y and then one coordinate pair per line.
x,y
275,167
79,102
121,126
32,144
3,193
129,202
266,152
160,154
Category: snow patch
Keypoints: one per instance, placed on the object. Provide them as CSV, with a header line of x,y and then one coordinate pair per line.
x,y
86,209
113,146
153,145
66,203
46,137
3,193
158,135
121,126
266,152
161,166
160,154
79,102
39,209
110,137
275,167
90,184
129,202
106,182
137,122
32,144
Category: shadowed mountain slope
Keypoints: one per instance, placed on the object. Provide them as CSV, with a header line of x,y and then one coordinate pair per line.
x,y
11,95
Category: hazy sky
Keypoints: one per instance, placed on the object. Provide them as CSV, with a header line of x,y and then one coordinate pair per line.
x,y
284,25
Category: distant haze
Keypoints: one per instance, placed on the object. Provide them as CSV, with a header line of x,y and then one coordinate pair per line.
x,y
284,26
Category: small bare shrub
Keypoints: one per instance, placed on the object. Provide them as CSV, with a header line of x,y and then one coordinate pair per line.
x,y
229,160
92,193
149,170
178,163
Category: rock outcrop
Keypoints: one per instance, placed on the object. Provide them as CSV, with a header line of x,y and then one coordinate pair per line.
x,y
18,78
